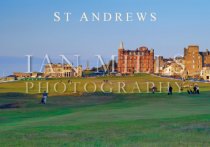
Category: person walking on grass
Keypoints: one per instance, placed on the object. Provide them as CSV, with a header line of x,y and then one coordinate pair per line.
x,y
194,89
44,97
197,89
170,90
153,89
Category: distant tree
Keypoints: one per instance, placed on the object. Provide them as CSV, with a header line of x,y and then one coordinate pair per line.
x,y
110,64
93,69
100,69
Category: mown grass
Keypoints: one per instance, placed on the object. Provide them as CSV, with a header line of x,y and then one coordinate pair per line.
x,y
130,85
107,120
98,119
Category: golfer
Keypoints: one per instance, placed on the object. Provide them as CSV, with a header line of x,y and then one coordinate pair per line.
x,y
44,97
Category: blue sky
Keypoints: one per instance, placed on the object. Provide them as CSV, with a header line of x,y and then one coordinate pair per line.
x,y
27,27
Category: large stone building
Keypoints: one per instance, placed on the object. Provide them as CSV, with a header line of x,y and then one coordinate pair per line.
x,y
205,58
62,70
194,60
135,61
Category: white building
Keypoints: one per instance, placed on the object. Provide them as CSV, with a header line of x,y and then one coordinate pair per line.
x,y
205,73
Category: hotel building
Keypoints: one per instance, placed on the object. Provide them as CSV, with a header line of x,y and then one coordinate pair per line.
x,y
135,61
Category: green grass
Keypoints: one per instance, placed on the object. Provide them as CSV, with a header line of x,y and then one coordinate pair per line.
x,y
130,81
98,119
107,120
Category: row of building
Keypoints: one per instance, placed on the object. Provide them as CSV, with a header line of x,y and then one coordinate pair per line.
x,y
51,71
193,63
